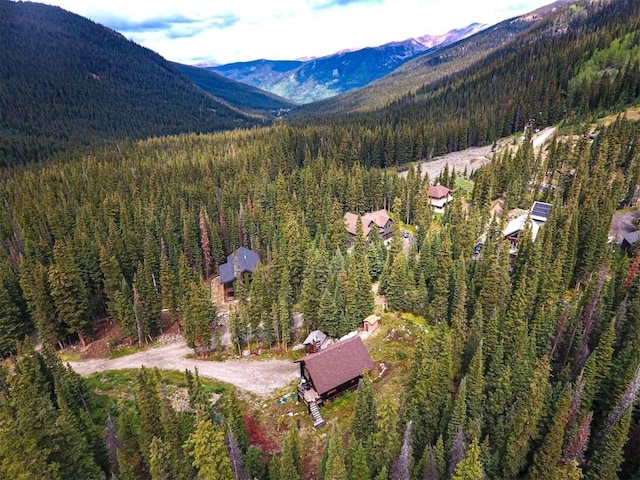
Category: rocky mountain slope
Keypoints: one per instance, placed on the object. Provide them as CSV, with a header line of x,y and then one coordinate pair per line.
x,y
319,78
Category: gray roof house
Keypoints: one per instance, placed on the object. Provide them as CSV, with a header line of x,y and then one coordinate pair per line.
x,y
238,263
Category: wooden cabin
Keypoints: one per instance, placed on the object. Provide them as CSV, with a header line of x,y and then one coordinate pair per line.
x,y
439,197
332,371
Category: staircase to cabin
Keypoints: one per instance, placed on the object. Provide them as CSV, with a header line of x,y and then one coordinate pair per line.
x,y
318,421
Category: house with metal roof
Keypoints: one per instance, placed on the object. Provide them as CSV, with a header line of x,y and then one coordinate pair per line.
x,y
537,216
330,372
242,262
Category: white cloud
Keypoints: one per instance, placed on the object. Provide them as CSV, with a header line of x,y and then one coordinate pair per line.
x,y
224,31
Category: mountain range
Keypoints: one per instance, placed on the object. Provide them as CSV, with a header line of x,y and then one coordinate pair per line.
x,y
66,81
319,78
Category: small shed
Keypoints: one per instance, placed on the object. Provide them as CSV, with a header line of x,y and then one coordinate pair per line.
x,y
371,323
629,241
332,371
316,341
242,262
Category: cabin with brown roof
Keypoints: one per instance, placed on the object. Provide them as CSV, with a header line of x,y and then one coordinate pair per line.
x,y
332,371
378,222
439,197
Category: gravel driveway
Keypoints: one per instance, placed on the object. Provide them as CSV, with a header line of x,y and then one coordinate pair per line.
x,y
261,377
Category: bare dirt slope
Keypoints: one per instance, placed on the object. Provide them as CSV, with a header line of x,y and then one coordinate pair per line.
x,y
260,377
473,158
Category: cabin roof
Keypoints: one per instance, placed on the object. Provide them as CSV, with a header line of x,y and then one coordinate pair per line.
x,y
632,237
439,191
243,260
519,223
337,364
379,218
315,336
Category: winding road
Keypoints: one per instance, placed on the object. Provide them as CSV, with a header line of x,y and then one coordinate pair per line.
x,y
260,377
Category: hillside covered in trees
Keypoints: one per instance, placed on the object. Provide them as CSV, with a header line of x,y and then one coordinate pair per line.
x,y
501,366
579,61
102,236
68,82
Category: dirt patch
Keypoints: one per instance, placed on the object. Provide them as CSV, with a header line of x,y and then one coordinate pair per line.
x,y
470,159
108,337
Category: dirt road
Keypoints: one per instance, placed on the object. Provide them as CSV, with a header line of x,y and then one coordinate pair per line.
x,y
257,376
543,136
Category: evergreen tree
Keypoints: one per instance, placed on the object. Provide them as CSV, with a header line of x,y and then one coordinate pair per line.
x,y
68,292
148,406
147,302
398,284
209,453
161,461
291,457
458,414
13,323
470,467
364,414
475,395
382,475
547,457
358,465
198,312
386,439
309,298
524,422
254,466
34,280
608,456
431,395
168,286
335,467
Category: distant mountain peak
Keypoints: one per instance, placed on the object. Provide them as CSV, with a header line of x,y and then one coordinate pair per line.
x,y
311,79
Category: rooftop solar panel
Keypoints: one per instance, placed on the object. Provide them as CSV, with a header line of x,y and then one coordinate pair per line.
x,y
541,210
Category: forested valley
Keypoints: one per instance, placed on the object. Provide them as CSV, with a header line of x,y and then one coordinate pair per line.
x,y
500,366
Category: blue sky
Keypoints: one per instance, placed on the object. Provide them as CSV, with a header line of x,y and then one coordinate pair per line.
x,y
225,31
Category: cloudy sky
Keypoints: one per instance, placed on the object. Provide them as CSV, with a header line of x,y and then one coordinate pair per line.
x,y
225,31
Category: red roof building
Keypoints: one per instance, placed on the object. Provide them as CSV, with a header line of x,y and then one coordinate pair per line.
x,y
439,196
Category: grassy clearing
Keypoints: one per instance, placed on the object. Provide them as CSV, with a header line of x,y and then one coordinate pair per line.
x,y
124,351
463,187
70,356
113,386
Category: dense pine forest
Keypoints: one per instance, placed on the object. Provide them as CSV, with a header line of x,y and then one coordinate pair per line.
x,y
499,366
